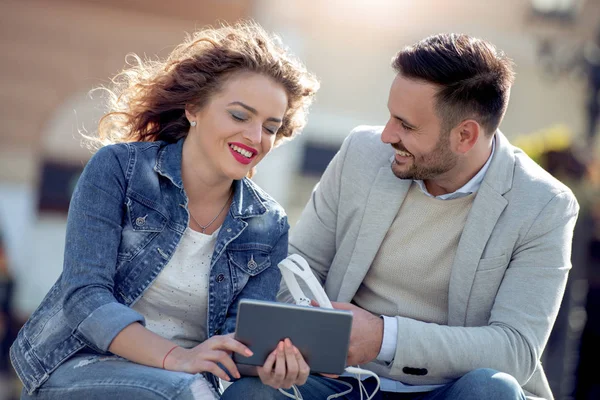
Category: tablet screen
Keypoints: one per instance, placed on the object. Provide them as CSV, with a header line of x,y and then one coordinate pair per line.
x,y
322,335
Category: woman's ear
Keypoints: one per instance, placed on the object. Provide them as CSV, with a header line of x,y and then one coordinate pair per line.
x,y
189,115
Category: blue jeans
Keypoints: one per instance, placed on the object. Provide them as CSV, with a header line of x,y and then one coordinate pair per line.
x,y
479,384
95,377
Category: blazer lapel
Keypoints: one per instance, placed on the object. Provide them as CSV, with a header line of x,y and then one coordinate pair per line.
x,y
484,214
386,197
487,207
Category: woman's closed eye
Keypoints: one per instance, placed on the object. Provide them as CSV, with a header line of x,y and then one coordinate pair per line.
x,y
271,130
241,117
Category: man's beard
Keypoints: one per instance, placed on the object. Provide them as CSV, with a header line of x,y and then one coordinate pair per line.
x,y
429,166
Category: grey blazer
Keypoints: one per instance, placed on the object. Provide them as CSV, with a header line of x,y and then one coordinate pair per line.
x,y
508,275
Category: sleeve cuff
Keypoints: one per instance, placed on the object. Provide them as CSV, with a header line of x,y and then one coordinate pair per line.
x,y
390,339
105,323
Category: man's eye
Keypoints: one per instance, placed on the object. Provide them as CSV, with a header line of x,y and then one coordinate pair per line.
x,y
271,131
402,124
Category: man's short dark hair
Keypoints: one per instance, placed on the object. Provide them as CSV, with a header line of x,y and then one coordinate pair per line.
x,y
473,76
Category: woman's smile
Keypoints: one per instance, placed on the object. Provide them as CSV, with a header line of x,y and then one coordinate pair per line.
x,y
243,154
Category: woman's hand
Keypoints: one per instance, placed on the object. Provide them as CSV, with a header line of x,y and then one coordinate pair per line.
x,y
284,367
206,356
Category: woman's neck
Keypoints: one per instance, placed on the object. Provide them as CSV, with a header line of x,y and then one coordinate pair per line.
x,y
201,183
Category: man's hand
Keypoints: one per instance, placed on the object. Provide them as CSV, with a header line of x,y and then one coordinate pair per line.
x,y
366,335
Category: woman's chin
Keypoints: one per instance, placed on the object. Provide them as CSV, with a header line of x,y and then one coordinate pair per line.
x,y
237,174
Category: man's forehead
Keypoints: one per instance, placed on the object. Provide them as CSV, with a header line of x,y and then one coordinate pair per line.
x,y
414,86
412,95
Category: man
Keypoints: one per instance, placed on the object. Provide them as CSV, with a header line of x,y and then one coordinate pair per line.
x,y
454,259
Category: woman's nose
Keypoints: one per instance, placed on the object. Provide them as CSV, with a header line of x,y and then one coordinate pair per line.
x,y
254,133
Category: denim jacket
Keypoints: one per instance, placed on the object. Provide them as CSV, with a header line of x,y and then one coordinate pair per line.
x,y
126,218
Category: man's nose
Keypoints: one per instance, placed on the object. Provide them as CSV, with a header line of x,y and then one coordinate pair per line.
x,y
388,135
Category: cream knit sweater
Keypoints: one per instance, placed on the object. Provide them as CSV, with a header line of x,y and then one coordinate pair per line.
x,y
410,274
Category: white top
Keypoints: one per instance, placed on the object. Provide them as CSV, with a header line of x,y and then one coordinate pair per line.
x,y
176,304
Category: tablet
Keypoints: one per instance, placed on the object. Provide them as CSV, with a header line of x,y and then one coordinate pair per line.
x,y
322,335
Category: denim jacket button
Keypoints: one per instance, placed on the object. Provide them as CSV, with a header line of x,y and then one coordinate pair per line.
x,y
140,221
252,264
228,230
220,278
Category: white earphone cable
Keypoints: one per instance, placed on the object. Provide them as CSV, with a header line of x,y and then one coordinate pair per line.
x,y
296,396
359,371
352,370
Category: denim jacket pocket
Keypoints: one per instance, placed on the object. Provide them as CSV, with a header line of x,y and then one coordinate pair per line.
x,y
250,261
143,217
143,223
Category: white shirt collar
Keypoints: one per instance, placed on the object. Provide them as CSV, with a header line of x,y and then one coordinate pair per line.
x,y
470,187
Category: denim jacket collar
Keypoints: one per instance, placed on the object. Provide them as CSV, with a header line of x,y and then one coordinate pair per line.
x,y
246,200
168,162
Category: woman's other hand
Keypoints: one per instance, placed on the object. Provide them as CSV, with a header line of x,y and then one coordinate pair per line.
x,y
284,367
207,355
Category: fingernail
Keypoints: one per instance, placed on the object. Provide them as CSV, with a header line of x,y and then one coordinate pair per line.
x,y
288,343
296,350
280,346
248,352
227,378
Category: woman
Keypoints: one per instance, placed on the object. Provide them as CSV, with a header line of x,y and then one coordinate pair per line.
x,y
165,231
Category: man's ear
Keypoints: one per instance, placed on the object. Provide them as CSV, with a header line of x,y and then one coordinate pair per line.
x,y
466,135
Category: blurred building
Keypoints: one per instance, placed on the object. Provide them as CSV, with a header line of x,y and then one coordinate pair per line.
x,y
54,52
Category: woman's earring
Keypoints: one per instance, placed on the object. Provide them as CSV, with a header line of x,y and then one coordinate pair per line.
x,y
193,123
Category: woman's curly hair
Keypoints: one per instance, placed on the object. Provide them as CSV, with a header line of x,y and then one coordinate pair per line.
x,y
147,101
